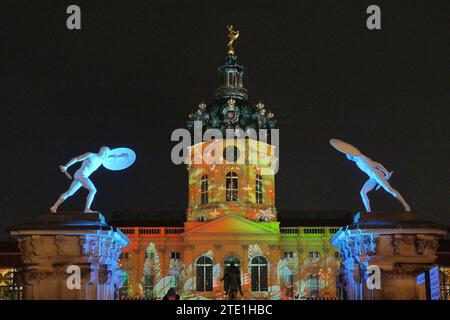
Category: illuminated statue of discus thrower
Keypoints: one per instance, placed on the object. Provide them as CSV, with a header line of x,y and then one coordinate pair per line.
x,y
116,159
378,174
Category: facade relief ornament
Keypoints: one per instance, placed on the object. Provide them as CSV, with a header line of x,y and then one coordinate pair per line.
x,y
28,247
369,245
60,243
32,277
231,112
84,246
396,243
424,244
357,273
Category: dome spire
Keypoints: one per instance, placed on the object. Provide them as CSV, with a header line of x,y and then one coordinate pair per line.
x,y
231,72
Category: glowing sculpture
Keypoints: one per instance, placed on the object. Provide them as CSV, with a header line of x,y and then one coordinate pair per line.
x,y
232,35
117,159
378,174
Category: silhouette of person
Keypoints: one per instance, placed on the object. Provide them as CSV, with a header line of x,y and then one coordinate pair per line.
x,y
171,295
232,281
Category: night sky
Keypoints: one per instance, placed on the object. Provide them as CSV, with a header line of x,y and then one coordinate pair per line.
x,y
138,68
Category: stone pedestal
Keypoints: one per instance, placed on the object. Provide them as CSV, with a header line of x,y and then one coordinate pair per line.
x,y
400,244
59,249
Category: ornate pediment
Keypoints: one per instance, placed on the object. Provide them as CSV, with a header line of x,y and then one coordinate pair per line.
x,y
238,224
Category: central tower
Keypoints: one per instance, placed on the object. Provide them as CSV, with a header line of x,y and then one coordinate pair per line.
x,y
230,171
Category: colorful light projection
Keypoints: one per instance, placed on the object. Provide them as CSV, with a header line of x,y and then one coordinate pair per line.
x,y
296,276
240,186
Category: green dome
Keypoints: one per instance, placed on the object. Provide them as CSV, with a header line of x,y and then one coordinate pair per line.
x,y
231,110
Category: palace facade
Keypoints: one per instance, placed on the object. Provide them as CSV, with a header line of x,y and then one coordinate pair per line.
x,y
231,215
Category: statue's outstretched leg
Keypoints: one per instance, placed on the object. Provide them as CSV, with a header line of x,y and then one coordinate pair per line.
x,y
368,186
403,202
87,184
70,192
386,186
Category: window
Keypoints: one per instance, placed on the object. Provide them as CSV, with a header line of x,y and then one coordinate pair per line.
x,y
123,292
259,274
204,189
149,286
313,285
204,279
175,255
231,185
288,255
314,254
289,285
124,255
288,279
175,282
336,254
259,189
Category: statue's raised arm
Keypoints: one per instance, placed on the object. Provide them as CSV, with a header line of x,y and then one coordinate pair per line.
x,y
232,35
116,159
378,174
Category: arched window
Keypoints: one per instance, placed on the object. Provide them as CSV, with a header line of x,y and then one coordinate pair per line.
x,y
204,279
149,284
259,274
231,183
259,189
313,285
204,189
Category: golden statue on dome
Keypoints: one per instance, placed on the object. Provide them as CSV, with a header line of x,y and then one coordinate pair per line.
x,y
232,35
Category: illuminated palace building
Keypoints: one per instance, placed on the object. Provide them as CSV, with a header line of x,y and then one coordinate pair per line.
x,y
231,216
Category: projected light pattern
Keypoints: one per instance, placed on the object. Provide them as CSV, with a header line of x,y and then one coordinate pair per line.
x,y
231,216
233,187
308,272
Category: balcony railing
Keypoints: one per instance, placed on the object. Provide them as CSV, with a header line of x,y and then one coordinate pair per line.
x,y
308,231
153,232
175,232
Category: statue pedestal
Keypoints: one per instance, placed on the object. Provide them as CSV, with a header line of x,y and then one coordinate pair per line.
x,y
70,256
400,244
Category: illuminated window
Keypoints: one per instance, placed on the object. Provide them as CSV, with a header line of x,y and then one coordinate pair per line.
x,y
259,274
288,279
175,255
204,189
124,291
314,254
313,285
204,279
175,282
259,189
124,255
149,286
231,183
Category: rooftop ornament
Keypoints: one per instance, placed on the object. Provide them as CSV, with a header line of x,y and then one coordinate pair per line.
x,y
232,35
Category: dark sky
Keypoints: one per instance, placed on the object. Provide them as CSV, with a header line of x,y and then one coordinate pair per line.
x,y
137,68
